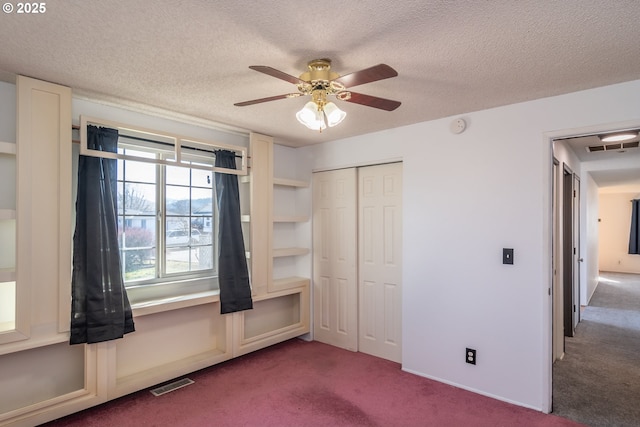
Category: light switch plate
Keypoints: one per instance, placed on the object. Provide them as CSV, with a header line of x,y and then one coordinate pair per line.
x,y
507,256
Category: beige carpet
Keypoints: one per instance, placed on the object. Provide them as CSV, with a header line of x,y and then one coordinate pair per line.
x,y
598,380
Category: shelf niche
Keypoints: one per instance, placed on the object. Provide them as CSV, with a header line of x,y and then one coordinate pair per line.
x,y
286,224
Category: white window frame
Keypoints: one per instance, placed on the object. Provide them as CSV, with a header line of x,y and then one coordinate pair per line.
x,y
185,150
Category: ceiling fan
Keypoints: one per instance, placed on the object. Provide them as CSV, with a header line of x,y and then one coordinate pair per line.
x,y
320,82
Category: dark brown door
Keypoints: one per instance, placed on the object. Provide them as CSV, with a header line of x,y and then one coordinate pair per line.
x,y
567,251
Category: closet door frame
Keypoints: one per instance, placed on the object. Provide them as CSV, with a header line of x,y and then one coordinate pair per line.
x,y
337,288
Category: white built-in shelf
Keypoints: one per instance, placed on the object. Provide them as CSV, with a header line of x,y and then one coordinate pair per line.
x,y
290,218
282,252
7,275
7,148
290,282
7,214
290,182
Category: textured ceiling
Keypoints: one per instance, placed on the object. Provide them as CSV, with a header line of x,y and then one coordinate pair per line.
x,y
452,57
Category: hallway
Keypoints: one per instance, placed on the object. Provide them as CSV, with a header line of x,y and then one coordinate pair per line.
x,y
598,380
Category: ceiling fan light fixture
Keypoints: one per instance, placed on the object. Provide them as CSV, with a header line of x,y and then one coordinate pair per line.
x,y
311,116
320,82
334,114
617,137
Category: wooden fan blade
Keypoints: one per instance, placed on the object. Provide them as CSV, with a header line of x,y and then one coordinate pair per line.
x,y
271,98
276,73
368,75
373,101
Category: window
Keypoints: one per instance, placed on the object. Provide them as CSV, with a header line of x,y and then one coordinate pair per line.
x,y
167,221
166,218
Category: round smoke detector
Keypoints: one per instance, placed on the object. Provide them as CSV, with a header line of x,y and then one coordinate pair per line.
x,y
458,126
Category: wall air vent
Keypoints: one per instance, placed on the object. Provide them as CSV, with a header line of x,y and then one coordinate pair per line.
x,y
612,147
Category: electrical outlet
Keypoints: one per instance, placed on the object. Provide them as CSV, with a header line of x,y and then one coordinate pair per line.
x,y
470,356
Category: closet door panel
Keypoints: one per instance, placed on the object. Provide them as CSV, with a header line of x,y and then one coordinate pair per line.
x,y
335,259
380,254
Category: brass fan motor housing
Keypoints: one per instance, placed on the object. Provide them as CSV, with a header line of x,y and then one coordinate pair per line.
x,y
319,71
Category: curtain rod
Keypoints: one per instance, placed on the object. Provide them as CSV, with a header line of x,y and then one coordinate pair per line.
x,y
137,138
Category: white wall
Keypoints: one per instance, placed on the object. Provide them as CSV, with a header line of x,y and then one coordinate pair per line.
x,y
591,210
615,216
466,197
179,125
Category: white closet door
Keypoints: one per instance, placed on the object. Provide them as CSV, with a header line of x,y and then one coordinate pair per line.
x,y
380,260
335,258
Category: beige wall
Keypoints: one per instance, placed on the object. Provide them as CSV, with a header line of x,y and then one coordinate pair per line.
x,y
615,223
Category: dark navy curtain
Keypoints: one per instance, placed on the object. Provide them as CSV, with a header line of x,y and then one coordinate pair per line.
x,y
634,236
100,310
233,275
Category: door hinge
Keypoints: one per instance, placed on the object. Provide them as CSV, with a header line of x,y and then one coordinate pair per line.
x,y
574,193
574,308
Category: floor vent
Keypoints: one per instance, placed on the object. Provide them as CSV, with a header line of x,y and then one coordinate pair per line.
x,y
159,391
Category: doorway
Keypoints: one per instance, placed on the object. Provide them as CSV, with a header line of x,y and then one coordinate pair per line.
x,y
357,246
601,166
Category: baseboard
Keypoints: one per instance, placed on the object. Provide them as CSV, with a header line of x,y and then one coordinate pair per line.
x,y
473,390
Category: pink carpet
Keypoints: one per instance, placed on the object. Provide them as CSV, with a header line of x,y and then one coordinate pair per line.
x,y
298,383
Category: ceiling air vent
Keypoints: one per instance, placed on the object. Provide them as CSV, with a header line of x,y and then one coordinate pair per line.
x,y
612,147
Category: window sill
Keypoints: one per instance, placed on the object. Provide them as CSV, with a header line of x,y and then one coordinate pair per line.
x,y
174,303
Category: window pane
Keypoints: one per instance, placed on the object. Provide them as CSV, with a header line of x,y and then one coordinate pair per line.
x,y
201,201
204,224
185,259
138,265
177,200
137,245
203,258
178,259
140,172
178,234
120,190
177,175
201,178
139,199
187,197
139,232
120,169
